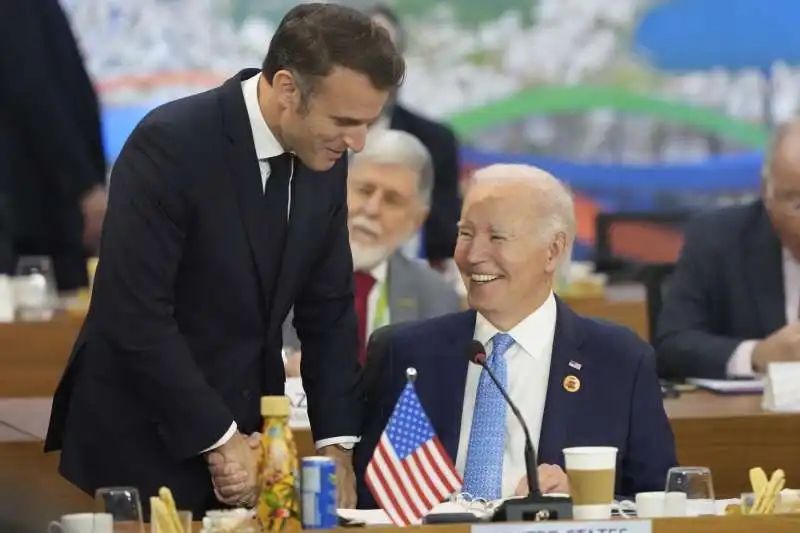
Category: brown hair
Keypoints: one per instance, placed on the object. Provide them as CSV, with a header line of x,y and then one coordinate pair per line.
x,y
314,38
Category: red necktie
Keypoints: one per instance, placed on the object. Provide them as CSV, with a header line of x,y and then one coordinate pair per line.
x,y
364,284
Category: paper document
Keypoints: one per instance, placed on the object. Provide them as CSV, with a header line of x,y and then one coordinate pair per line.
x,y
735,386
783,388
370,517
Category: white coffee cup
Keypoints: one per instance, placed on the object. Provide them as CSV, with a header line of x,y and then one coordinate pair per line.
x,y
650,504
675,504
83,523
592,473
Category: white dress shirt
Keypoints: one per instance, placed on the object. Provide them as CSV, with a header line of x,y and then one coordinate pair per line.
x,y
740,364
528,362
266,146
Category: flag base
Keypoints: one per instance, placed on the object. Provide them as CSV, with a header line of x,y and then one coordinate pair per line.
x,y
534,509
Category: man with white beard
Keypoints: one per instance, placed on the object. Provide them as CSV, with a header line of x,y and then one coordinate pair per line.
x,y
389,188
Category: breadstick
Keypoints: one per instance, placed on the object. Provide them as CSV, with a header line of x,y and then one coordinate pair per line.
x,y
172,510
160,516
766,500
759,483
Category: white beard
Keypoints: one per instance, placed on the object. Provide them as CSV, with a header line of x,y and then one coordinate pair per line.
x,y
368,257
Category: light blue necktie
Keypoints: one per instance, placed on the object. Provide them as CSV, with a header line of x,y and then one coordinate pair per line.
x,y
483,475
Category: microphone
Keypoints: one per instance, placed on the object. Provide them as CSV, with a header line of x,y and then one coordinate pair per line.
x,y
535,506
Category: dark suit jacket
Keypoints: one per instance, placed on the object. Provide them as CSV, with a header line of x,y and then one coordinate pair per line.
x,y
51,149
618,404
440,227
182,337
727,287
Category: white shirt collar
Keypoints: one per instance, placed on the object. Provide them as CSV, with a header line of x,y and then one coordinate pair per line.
x,y
528,333
266,144
380,271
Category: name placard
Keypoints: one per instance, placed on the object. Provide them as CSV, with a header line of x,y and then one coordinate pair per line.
x,y
298,417
782,392
610,526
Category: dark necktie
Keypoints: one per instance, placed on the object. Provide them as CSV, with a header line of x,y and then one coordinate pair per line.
x,y
276,203
364,283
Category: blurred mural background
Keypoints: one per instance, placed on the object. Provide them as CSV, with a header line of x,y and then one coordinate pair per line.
x,y
639,105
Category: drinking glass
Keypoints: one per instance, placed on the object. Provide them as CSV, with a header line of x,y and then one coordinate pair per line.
x,y
124,505
696,483
35,288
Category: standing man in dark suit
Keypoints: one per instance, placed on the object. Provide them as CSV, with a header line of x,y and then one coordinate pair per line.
x,y
226,209
52,162
576,381
733,302
440,227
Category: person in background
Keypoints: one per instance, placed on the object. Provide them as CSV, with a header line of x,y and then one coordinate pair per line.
x,y
52,161
440,227
733,303
227,208
388,196
577,381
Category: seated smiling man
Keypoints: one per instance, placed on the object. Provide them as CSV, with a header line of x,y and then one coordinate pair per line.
x,y
577,381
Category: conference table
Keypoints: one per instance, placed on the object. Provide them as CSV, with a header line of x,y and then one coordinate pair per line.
x,y
33,354
729,434
705,524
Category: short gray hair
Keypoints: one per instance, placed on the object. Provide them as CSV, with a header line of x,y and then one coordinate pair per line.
x,y
558,206
395,147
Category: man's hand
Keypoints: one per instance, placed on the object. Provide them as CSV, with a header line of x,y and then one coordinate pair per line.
x,y
345,478
234,470
93,206
783,345
292,365
552,480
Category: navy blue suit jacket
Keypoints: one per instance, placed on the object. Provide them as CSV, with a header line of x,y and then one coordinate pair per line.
x,y
618,404
727,287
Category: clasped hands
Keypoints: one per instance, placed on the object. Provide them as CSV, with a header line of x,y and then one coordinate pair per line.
x,y
234,471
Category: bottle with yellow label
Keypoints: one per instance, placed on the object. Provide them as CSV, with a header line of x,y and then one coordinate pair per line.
x,y
278,502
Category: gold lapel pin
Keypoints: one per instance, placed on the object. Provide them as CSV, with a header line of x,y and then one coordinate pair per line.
x,y
572,384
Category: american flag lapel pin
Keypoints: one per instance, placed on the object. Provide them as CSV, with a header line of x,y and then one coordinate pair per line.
x,y
576,365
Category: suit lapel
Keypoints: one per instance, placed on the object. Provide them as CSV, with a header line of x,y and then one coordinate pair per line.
x,y
246,175
764,273
403,300
561,406
447,385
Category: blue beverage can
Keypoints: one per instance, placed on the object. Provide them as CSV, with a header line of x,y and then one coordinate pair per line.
x,y
318,492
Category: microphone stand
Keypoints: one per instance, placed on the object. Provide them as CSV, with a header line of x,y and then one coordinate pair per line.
x,y
535,506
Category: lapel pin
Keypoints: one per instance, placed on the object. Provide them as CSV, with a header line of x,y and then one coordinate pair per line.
x,y
407,303
576,365
572,384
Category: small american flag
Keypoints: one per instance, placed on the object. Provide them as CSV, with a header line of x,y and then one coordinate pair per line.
x,y
410,471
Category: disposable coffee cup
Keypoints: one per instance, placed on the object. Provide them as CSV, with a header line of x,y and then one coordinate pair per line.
x,y
592,473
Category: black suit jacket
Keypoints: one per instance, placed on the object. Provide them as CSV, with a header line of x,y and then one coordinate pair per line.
x,y
727,287
51,149
440,227
181,338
